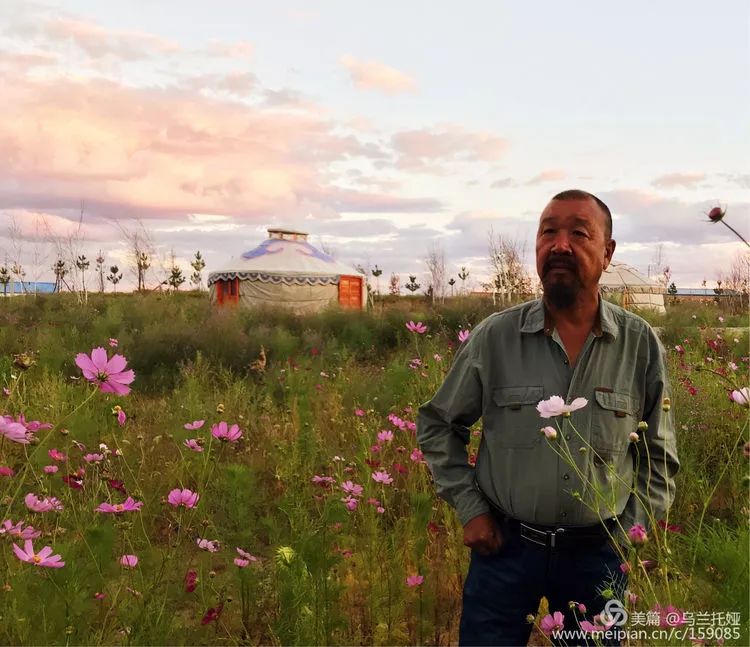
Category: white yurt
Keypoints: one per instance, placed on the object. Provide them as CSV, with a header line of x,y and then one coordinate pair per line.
x,y
285,270
632,289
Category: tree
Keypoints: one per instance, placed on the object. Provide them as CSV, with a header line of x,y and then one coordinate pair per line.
x,y
394,285
672,289
100,270
141,250
4,279
114,277
452,282
463,275
175,279
509,275
376,272
435,261
82,264
142,263
198,264
412,285
60,269
18,271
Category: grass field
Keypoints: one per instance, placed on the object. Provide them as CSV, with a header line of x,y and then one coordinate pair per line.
x,y
341,539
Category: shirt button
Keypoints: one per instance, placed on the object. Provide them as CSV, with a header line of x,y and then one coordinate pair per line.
x,y
565,361
563,514
566,477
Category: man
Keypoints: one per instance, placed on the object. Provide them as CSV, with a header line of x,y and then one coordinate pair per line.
x,y
532,516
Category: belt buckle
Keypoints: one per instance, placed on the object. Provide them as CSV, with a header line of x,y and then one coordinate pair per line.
x,y
542,537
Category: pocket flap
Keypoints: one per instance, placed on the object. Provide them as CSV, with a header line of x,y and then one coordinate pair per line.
x,y
517,396
617,402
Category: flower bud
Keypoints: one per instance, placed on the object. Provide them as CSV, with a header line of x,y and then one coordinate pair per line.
x,y
634,438
642,425
530,618
716,214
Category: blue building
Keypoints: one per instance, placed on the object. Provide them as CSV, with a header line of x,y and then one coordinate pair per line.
x,y
16,288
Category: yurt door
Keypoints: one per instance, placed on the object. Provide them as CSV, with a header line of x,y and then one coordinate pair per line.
x,y
350,292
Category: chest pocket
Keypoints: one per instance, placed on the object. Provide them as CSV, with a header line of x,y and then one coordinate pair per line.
x,y
513,420
614,417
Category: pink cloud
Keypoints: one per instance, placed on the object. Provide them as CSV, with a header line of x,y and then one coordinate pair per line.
x,y
552,175
679,179
371,75
241,49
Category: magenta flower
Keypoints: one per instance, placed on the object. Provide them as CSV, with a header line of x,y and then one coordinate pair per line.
x,y
56,455
385,436
241,563
93,458
350,502
109,374
323,481
463,335
352,488
224,432
7,471
43,558
742,397
17,530
14,431
129,561
35,504
552,622
121,417
129,505
186,498
418,327
625,567
191,580
113,342
192,443
195,425
396,421
245,555
594,627
212,546
556,406
381,476
359,412
414,580
50,469
637,534
668,526
549,432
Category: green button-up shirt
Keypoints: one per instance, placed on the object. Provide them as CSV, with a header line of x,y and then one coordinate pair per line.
x,y
511,362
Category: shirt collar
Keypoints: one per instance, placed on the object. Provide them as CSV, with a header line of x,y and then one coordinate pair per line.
x,y
537,319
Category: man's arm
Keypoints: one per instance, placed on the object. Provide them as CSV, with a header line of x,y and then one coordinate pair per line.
x,y
443,432
657,453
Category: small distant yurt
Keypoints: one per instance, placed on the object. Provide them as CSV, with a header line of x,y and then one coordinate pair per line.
x,y
287,271
631,288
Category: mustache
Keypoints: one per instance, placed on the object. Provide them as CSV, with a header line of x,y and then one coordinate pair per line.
x,y
564,262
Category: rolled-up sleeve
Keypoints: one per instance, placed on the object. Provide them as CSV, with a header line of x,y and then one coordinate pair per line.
x,y
657,453
443,432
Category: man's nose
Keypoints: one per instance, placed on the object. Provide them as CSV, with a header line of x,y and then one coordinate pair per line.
x,y
561,244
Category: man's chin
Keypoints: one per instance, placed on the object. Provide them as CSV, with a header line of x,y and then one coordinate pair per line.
x,y
561,295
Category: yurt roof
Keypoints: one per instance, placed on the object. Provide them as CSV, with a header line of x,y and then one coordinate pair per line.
x,y
286,252
619,276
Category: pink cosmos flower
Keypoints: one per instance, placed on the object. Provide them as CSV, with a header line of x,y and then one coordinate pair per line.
x,y
99,595
398,467
549,432
359,412
212,615
14,431
625,567
742,397
129,561
113,342
594,627
6,391
35,504
323,481
414,580
109,374
43,558
121,417
50,469
350,502
56,455
463,335
352,488
93,458
385,436
668,526
381,476
129,505
186,498
17,530
195,425
241,563
224,432
556,406
637,534
418,327
191,580
192,443
31,425
416,455
552,622
680,349
437,357
7,471
211,545
245,555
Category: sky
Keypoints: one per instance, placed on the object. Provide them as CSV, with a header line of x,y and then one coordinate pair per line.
x,y
383,129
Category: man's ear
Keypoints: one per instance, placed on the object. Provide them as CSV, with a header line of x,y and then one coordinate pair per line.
x,y
609,250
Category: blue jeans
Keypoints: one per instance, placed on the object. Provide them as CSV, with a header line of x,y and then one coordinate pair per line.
x,y
501,590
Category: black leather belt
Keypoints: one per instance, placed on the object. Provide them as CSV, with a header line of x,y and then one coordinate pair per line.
x,y
562,536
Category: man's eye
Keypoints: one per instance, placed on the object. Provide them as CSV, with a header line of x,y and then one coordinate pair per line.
x,y
548,231
578,232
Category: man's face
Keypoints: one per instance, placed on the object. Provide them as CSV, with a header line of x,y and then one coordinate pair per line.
x,y
571,249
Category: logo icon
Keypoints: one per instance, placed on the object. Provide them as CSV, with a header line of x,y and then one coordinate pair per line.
x,y
614,614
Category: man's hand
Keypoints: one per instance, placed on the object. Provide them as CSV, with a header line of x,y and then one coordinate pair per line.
x,y
483,535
